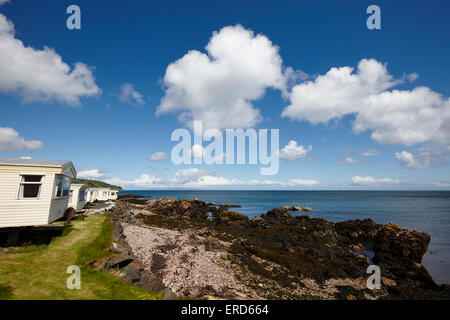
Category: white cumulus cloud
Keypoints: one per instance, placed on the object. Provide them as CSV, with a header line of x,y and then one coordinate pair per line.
x,y
405,117
425,157
442,184
197,178
129,95
91,174
370,153
292,151
190,175
207,181
303,182
394,117
218,87
338,92
157,156
40,75
368,180
143,181
350,161
10,140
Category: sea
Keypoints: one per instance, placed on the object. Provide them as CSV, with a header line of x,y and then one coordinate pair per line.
x,y
427,211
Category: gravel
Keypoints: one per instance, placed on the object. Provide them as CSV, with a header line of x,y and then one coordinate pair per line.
x,y
187,263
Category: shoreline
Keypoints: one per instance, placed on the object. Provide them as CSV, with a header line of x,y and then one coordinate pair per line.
x,y
274,256
424,211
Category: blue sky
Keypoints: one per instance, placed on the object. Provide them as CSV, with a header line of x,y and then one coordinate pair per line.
x,y
102,115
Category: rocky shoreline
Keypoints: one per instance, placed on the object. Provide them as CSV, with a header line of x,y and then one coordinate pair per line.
x,y
196,249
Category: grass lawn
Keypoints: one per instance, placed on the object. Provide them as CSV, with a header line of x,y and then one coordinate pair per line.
x,y
39,272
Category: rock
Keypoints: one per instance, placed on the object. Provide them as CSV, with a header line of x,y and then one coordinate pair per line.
x,y
150,282
388,283
119,261
358,230
119,249
393,226
292,208
256,221
306,209
225,216
185,204
351,297
363,259
392,243
170,295
277,213
131,274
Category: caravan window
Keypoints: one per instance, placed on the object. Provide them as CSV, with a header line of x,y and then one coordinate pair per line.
x,y
81,195
62,186
30,186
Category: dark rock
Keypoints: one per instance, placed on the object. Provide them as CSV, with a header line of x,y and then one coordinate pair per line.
x,y
150,282
393,243
358,229
277,213
119,261
131,274
361,258
226,216
170,295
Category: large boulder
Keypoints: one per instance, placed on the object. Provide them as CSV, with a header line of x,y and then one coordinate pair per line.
x,y
278,213
229,217
119,261
393,242
358,230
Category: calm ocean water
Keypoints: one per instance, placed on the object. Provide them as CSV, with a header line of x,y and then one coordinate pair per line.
x,y
427,211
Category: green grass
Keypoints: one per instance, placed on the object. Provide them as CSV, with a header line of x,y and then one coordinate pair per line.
x,y
96,184
98,249
39,272
5,292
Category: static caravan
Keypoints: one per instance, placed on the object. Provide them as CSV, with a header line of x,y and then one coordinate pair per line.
x,y
33,192
100,194
113,195
77,196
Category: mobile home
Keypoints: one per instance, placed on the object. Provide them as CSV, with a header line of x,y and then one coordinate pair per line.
x,y
100,194
77,196
33,192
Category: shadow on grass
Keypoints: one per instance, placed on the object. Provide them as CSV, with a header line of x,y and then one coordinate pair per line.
x,y
6,292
